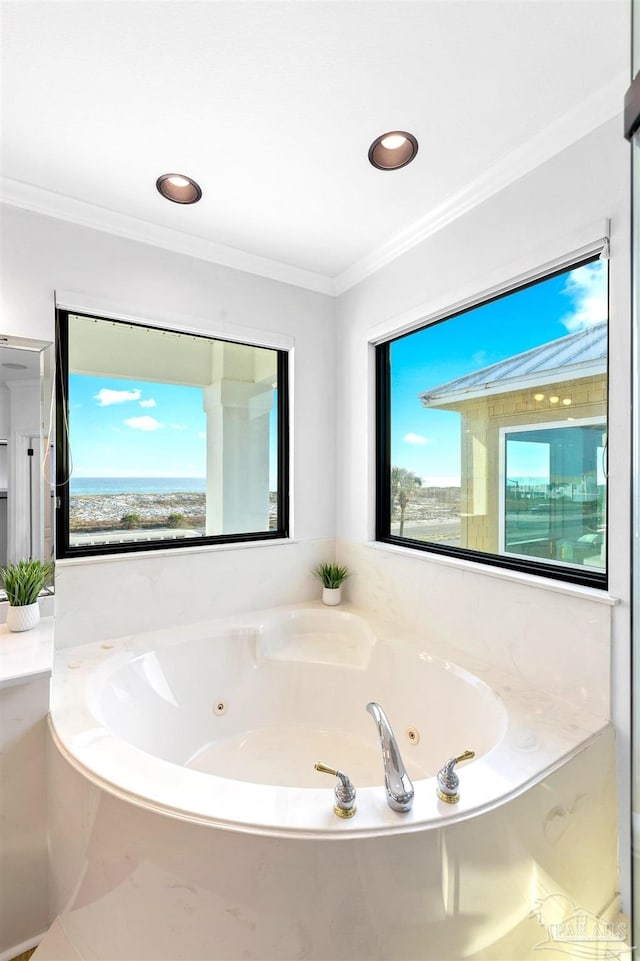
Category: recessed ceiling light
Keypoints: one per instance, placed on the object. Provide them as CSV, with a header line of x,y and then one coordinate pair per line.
x,y
179,189
393,150
15,366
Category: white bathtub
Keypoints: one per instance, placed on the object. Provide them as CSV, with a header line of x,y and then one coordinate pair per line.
x,y
219,728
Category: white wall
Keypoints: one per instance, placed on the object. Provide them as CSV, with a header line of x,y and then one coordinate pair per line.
x,y
102,598
573,642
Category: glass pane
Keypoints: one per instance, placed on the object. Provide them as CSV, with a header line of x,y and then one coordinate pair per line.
x,y
171,436
554,495
477,403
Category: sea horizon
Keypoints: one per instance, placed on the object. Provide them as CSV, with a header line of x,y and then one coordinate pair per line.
x,y
137,485
79,486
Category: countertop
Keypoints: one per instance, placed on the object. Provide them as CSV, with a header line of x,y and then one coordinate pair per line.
x,y
26,655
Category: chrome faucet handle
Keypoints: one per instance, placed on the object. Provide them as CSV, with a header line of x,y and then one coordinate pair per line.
x,y
448,781
345,793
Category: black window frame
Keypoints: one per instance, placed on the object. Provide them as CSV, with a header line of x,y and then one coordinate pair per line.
x,y
586,577
64,549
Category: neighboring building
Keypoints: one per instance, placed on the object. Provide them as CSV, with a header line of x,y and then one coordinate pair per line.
x,y
554,396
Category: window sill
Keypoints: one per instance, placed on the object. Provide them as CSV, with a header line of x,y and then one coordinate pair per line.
x,y
169,552
516,577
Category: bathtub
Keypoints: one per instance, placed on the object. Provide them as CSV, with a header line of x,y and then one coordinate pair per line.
x,y
189,760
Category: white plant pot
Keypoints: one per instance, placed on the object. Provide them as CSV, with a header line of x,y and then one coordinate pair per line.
x,y
331,596
23,618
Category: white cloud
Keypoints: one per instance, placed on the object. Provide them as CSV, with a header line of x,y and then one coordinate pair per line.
x,y
143,423
202,434
587,287
480,358
105,396
415,439
178,426
148,403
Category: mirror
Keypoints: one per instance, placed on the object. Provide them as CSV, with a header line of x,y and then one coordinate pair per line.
x,y
26,450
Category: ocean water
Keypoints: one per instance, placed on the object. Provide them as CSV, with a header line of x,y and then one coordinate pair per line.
x,y
137,485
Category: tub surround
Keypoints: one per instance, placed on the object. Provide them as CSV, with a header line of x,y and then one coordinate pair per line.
x,y
556,641
159,589
131,883
540,731
195,865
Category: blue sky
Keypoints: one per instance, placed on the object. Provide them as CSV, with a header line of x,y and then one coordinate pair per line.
x,y
127,428
131,428
427,442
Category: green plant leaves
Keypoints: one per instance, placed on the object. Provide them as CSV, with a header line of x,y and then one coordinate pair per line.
x,y
331,575
24,581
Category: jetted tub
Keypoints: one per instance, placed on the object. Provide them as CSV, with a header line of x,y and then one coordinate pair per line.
x,y
194,754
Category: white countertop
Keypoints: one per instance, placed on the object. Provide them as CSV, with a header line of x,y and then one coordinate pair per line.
x,y
26,655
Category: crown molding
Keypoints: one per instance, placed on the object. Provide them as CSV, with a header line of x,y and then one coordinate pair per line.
x,y
15,193
602,106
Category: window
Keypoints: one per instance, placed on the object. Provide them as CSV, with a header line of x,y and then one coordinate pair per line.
x,y
492,430
166,439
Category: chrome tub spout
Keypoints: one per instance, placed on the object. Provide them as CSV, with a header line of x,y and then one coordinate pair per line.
x,y
396,780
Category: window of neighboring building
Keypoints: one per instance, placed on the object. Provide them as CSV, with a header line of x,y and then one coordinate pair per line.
x,y
560,512
492,434
167,439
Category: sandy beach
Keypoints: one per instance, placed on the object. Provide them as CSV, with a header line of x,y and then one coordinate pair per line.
x,y
107,510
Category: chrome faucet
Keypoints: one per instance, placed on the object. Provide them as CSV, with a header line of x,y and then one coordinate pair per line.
x,y
396,780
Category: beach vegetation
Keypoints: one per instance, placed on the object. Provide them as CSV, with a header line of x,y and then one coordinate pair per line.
x,y
175,520
129,521
403,484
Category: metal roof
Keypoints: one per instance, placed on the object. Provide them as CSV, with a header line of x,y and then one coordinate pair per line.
x,y
581,354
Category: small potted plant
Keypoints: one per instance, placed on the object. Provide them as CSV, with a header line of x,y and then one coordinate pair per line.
x,y
23,582
332,577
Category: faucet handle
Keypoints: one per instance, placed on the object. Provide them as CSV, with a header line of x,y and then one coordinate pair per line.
x,y
448,781
345,793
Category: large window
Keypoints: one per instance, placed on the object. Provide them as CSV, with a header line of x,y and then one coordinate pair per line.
x,y
166,439
492,430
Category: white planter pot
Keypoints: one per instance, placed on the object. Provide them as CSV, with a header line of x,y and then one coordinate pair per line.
x,y
23,618
331,596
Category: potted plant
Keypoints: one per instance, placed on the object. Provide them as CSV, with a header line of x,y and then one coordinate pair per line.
x,y
332,577
23,582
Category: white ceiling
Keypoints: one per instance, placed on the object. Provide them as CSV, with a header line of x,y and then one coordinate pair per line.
x,y
271,107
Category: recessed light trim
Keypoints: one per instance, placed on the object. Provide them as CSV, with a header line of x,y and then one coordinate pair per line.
x,y
393,150
179,189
